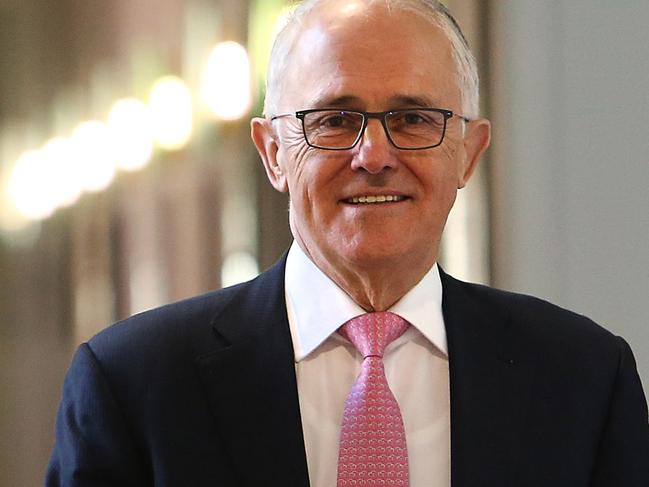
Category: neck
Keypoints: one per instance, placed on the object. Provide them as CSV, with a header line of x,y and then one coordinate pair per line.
x,y
374,286
375,291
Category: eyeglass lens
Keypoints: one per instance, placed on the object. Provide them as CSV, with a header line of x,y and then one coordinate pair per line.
x,y
408,129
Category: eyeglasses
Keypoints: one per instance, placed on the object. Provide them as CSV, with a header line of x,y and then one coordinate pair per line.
x,y
407,129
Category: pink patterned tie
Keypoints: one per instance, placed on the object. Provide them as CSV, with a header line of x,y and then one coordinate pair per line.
x,y
372,440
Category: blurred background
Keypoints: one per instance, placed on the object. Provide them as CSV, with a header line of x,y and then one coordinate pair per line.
x,y
128,180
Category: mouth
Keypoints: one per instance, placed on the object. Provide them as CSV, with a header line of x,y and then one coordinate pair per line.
x,y
375,199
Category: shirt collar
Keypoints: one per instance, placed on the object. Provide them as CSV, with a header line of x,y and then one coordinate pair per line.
x,y
317,307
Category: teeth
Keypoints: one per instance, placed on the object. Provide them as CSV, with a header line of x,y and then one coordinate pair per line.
x,y
375,199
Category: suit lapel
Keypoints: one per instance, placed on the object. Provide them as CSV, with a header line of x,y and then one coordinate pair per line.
x,y
490,386
251,385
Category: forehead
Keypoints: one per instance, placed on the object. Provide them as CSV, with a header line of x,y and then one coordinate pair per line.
x,y
371,54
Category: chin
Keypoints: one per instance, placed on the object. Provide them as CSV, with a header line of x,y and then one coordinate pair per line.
x,y
397,251
380,254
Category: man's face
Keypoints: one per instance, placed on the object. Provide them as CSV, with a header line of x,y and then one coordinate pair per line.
x,y
370,60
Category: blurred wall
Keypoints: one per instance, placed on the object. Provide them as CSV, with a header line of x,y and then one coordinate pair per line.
x,y
570,171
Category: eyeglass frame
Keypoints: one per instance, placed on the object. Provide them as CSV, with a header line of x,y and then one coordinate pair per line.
x,y
300,114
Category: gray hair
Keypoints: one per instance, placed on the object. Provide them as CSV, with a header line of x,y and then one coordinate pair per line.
x,y
431,10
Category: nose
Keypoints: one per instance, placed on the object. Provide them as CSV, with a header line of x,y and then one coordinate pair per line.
x,y
374,152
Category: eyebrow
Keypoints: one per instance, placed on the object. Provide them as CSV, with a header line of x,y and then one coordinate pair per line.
x,y
345,101
399,101
413,101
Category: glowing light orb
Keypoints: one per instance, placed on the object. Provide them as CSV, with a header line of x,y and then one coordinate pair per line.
x,y
226,86
28,188
93,155
170,106
60,171
131,134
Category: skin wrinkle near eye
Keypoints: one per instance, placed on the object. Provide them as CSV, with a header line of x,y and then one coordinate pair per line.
x,y
294,135
299,146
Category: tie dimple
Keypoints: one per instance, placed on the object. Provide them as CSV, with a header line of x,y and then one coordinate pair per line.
x,y
372,440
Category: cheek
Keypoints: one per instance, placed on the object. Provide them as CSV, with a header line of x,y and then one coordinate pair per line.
x,y
439,186
313,175
448,172
448,153
453,155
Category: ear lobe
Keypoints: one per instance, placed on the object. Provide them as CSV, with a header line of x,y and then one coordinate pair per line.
x,y
476,142
265,140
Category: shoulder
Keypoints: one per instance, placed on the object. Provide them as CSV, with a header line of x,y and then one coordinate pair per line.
x,y
535,324
185,328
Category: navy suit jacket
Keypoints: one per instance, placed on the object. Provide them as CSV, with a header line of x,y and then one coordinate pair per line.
x,y
203,393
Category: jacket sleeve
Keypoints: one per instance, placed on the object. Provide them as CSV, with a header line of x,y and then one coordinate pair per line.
x,y
93,446
623,456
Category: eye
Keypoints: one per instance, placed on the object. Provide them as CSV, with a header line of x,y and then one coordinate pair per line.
x,y
413,118
416,119
334,121
339,120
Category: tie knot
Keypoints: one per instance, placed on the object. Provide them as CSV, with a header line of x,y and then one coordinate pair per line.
x,y
372,332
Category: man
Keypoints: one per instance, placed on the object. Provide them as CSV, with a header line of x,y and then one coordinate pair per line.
x,y
371,128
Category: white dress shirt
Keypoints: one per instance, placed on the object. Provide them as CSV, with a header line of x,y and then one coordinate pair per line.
x,y
416,367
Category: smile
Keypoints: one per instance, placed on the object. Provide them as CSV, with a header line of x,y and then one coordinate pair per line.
x,y
368,200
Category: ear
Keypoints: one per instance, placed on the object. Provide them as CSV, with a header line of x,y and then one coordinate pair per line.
x,y
265,140
476,141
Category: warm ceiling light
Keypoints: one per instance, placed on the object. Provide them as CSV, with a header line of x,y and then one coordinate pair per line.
x,y
60,171
226,82
29,188
93,154
131,134
170,105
